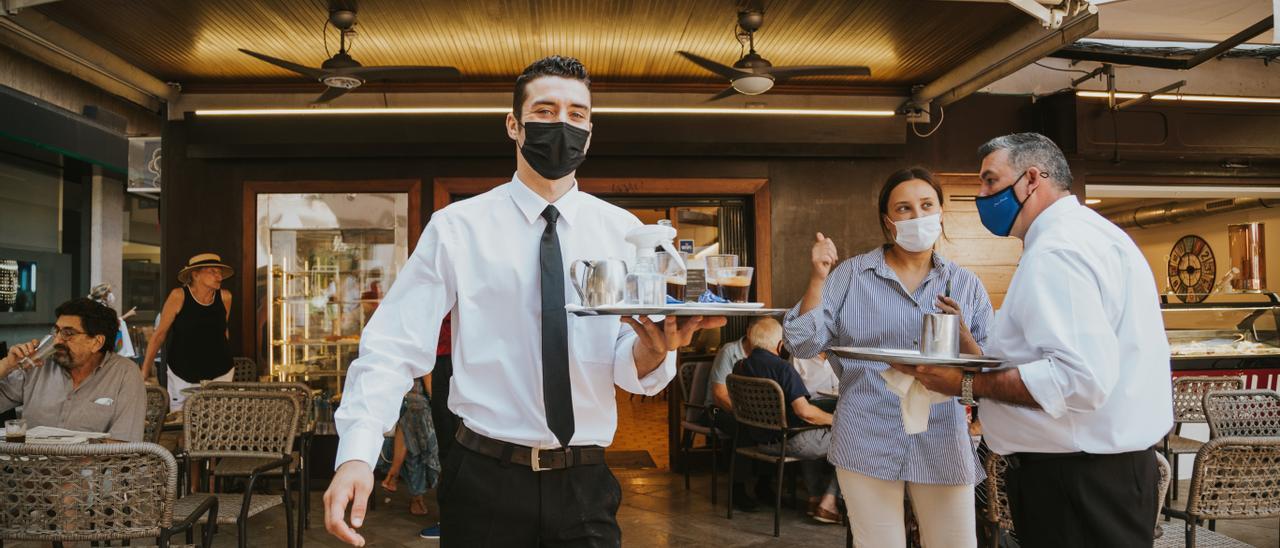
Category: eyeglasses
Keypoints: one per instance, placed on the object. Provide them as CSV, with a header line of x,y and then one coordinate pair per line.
x,y
65,333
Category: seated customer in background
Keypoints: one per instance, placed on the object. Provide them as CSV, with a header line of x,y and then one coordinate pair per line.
x,y
819,377
81,386
765,337
726,358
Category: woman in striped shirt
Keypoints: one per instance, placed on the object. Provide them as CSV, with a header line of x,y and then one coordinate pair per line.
x,y
878,299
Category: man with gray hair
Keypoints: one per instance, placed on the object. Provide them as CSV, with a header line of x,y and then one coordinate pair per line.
x,y
1086,393
811,446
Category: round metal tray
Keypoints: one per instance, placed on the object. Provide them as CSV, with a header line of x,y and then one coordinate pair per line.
x,y
913,357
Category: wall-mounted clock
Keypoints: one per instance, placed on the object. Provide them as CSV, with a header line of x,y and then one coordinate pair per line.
x,y
1192,269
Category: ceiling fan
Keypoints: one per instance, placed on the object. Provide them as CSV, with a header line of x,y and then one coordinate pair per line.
x,y
341,73
753,74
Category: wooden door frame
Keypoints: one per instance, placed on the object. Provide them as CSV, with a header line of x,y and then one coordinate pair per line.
x,y
249,232
757,190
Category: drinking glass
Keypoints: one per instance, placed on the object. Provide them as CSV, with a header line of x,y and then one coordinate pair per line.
x,y
734,283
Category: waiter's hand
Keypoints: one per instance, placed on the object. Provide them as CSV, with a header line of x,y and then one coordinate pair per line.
x,y
351,485
943,380
654,340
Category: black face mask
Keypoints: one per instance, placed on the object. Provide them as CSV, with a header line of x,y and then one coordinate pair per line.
x,y
554,149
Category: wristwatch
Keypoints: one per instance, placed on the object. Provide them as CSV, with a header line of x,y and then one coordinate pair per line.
x,y
966,389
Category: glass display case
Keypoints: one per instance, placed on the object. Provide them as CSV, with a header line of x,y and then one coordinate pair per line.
x,y
328,260
1225,331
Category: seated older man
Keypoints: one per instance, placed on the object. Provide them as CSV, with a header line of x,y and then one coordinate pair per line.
x,y
765,338
86,387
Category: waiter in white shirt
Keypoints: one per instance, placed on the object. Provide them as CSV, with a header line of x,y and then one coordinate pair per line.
x,y
1090,391
532,384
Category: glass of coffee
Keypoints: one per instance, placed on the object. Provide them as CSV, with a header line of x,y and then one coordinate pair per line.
x,y
715,263
677,277
15,431
735,283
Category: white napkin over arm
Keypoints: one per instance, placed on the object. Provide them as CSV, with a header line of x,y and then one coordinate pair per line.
x,y
914,398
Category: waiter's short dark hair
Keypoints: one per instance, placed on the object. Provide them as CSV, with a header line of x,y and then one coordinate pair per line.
x,y
553,65
96,318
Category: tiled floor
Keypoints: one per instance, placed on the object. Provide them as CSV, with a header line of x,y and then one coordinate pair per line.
x,y
642,426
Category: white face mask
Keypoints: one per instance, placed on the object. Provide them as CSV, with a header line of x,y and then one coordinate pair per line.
x,y
919,234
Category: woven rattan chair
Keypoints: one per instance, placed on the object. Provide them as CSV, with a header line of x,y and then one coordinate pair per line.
x,y
245,425
301,466
760,403
1243,413
693,391
1188,408
246,370
1233,478
95,492
157,409
995,513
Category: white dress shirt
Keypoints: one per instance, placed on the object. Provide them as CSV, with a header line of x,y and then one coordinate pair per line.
x,y
1082,320
479,258
817,374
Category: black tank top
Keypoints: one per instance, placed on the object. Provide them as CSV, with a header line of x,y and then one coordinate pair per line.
x,y
198,347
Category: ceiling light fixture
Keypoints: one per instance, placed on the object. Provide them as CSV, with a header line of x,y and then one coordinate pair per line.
x,y
1183,97
753,85
504,110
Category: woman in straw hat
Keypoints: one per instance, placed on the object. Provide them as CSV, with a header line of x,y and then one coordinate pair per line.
x,y
196,316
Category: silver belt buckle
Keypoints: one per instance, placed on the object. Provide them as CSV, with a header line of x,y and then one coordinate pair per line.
x,y
535,461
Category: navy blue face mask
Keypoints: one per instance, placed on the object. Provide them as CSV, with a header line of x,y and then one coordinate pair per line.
x,y
1000,210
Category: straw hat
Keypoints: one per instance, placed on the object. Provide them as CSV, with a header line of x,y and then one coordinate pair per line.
x,y
201,261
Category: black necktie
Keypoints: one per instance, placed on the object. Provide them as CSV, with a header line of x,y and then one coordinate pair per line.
x,y
557,394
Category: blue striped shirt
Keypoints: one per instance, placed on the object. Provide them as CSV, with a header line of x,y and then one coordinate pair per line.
x,y
864,304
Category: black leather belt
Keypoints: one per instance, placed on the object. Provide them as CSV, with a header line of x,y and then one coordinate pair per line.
x,y
536,459
1018,459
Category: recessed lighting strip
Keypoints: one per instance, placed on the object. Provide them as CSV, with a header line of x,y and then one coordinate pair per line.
x,y
503,110
1184,97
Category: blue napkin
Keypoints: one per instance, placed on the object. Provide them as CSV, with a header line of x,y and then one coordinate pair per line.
x,y
709,297
673,300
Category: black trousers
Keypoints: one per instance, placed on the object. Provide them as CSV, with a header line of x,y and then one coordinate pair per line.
x,y
1084,500
445,422
488,503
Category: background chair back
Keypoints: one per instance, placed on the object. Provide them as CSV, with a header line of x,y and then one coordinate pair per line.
x,y
1242,413
232,423
246,370
1188,395
85,492
1236,478
997,497
298,390
757,402
157,409
693,388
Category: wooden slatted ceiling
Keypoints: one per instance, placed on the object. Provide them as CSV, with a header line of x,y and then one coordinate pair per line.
x,y
624,41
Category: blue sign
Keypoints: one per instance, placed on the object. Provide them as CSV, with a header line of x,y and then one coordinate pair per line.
x,y
686,246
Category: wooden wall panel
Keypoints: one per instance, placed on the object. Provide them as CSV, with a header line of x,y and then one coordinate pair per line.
x,y
970,244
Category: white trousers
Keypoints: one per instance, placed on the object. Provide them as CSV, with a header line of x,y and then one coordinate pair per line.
x,y
176,384
945,512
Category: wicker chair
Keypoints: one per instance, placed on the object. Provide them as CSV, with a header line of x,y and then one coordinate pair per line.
x,y
246,370
301,467
1188,408
1243,413
693,388
1234,478
157,409
995,512
760,403
96,492
245,425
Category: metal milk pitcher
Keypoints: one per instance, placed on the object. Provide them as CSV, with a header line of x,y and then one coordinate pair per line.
x,y
940,336
601,282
